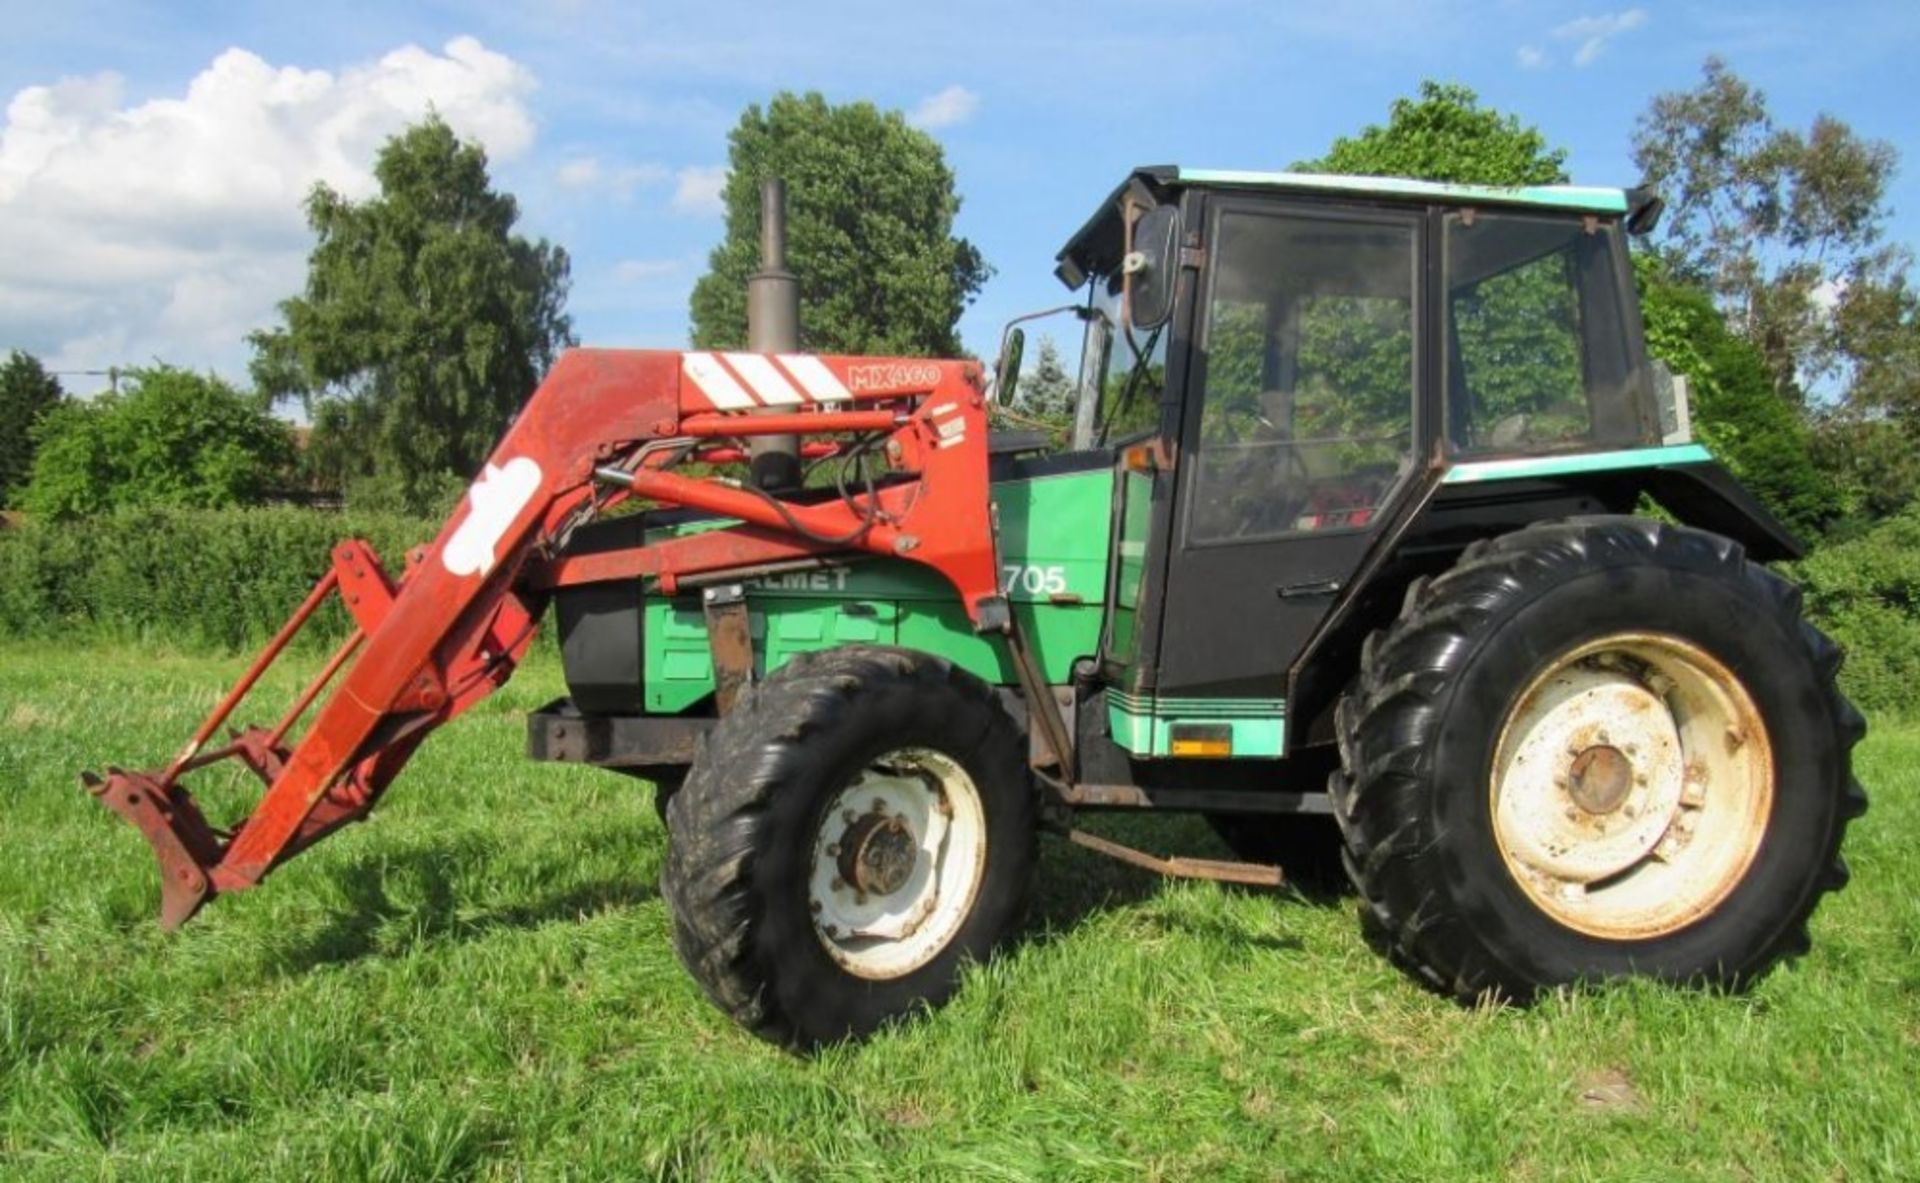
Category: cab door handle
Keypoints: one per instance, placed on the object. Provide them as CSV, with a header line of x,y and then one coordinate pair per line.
x,y
1306,591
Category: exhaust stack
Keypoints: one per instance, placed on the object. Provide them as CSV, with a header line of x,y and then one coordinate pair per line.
x,y
773,326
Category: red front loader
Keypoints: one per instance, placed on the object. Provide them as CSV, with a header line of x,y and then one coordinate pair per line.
x,y
605,425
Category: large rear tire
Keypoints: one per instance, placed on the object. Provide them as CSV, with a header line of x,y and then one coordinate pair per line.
x,y
857,828
1596,748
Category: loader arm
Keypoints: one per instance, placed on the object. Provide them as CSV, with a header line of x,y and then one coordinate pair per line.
x,y
605,425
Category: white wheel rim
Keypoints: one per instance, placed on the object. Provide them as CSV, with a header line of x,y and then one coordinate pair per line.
x,y
1631,786
897,860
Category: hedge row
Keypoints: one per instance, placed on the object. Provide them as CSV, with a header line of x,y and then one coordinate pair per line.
x,y
1866,594
227,578
205,578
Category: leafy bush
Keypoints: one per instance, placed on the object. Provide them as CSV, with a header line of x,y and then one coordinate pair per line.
x,y
1866,594
176,439
219,578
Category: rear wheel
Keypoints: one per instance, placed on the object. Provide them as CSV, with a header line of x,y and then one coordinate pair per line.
x,y
857,828
1596,748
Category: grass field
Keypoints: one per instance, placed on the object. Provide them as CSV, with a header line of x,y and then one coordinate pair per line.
x,y
478,983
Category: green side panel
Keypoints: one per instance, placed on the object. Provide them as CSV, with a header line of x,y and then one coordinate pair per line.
x,y
1054,542
1576,197
1538,466
1143,724
1136,513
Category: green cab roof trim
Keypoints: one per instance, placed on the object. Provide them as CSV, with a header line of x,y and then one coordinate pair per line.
x,y
1096,247
1538,466
1575,197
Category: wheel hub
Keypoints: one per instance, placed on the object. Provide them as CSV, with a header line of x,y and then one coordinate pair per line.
x,y
1600,778
877,853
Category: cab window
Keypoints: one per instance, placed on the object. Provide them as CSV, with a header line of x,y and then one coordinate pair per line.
x,y
1539,356
1134,372
1307,414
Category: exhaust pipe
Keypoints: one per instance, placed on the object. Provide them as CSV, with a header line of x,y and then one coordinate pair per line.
x,y
773,326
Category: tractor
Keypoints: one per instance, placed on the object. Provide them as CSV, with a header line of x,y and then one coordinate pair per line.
x,y
1379,541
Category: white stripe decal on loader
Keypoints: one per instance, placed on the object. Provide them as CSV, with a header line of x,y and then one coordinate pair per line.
x,y
714,382
760,375
815,378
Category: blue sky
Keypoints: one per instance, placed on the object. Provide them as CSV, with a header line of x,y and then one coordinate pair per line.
x,y
153,155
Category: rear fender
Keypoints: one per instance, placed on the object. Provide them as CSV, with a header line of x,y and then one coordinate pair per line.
x,y
1699,493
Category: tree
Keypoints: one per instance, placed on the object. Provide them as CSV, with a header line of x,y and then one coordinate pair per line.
x,y
425,323
1048,391
27,392
871,204
1762,439
1875,327
1774,222
1445,135
174,438
1872,466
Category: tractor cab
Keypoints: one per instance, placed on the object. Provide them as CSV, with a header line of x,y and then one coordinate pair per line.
x,y
1287,370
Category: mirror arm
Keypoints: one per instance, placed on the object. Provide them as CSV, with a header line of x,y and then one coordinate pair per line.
x,y
1006,338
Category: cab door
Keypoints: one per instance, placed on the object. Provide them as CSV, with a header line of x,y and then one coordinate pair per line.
x,y
1298,433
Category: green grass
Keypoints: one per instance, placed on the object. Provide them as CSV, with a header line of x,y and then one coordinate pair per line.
x,y
478,983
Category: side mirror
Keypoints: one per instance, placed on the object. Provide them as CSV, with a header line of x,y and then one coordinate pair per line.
x,y
1007,372
1148,269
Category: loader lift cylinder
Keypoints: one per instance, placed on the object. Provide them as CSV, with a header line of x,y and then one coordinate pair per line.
x,y
773,326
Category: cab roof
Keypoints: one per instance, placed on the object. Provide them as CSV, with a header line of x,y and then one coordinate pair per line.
x,y
1096,248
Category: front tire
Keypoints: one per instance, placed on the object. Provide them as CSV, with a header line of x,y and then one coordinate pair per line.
x,y
1596,748
857,828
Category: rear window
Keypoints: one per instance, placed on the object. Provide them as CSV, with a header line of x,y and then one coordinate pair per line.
x,y
1539,348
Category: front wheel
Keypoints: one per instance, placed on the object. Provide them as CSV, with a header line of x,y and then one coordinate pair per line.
x,y
1596,748
857,828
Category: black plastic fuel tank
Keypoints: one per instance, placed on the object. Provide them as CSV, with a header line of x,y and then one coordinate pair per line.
x,y
601,641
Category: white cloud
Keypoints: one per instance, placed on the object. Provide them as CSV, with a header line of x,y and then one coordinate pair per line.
x,y
587,172
170,227
641,270
579,173
1594,32
955,104
697,190
1532,58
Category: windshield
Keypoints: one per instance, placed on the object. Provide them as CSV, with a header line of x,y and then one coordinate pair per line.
x,y
1134,373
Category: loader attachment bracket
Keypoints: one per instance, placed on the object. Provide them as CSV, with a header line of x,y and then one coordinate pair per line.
x,y
181,839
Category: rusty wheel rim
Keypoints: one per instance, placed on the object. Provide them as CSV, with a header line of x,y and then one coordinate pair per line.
x,y
1631,786
897,861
